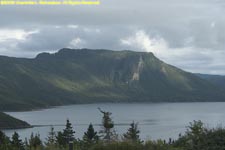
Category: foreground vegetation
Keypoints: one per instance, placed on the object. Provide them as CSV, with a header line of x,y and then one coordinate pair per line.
x,y
196,137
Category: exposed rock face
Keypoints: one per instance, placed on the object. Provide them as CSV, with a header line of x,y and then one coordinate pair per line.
x,y
138,69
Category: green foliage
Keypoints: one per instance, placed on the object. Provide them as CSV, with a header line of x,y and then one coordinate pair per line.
x,y
60,140
197,137
194,138
132,134
90,137
87,76
4,142
16,142
51,139
68,132
35,142
118,146
215,139
63,138
159,145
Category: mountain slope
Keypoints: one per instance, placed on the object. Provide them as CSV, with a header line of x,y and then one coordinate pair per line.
x,y
217,80
9,122
88,76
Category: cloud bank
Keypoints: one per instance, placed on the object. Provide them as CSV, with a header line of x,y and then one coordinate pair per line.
x,y
189,34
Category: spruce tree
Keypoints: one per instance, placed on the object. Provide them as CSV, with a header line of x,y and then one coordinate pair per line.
x,y
26,144
132,134
4,141
90,137
63,138
35,141
17,142
60,140
68,132
51,139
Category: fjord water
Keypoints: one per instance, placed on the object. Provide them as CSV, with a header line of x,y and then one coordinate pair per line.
x,y
156,120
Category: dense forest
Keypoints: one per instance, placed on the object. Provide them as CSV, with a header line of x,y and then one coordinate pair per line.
x,y
196,137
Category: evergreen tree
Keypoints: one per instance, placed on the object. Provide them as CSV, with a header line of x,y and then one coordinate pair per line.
x,y
90,137
68,132
63,138
4,141
196,135
16,142
26,145
51,139
107,132
133,133
35,141
60,140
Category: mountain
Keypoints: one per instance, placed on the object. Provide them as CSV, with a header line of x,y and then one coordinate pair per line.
x,y
9,122
89,76
217,80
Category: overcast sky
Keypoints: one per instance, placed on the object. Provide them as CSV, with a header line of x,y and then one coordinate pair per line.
x,y
189,34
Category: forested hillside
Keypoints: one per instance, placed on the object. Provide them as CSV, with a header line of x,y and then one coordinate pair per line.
x,y
90,76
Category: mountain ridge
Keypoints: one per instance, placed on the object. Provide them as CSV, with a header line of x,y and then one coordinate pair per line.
x,y
72,76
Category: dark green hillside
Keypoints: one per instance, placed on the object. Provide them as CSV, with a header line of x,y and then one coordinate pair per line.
x,y
9,122
218,80
89,76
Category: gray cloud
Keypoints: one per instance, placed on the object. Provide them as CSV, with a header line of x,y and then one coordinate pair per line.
x,y
54,38
187,33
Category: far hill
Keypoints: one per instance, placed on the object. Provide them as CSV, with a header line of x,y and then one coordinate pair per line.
x,y
9,122
217,80
73,76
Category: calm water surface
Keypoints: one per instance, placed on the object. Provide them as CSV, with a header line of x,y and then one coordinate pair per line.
x,y
156,120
